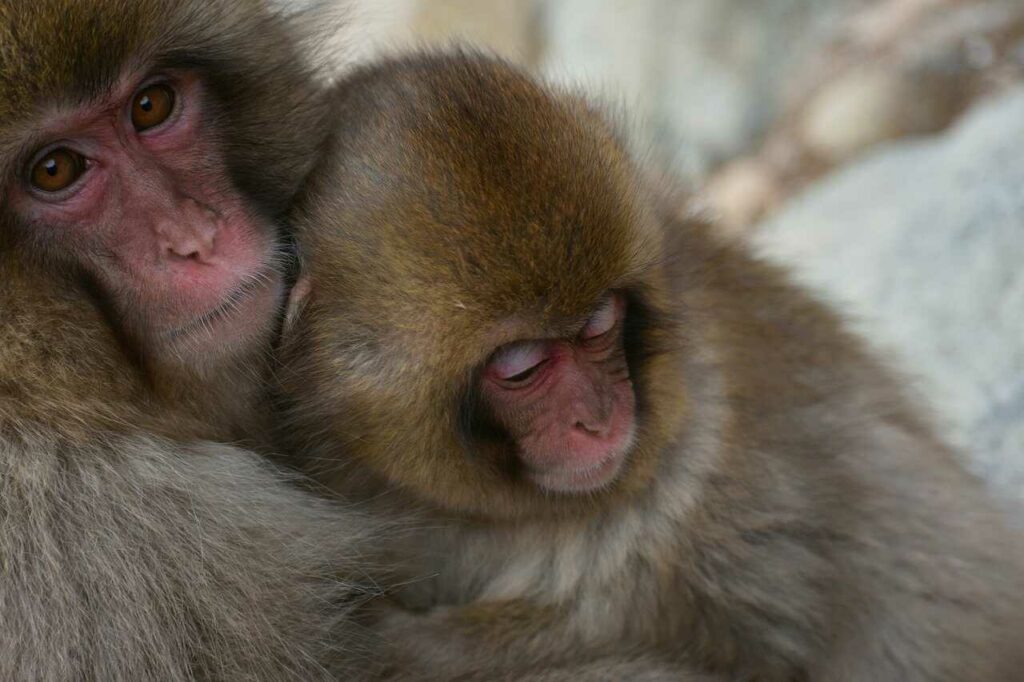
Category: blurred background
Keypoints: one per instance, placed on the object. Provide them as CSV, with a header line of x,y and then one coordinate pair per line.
x,y
875,145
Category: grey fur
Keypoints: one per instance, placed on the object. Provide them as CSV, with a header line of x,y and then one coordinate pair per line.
x,y
138,559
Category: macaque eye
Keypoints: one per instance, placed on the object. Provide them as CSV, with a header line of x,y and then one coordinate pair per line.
x,y
603,320
151,106
517,363
57,170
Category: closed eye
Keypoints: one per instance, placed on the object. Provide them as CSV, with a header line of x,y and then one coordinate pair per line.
x,y
518,362
525,375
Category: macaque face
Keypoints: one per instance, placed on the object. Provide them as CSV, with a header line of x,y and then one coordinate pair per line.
x,y
135,190
567,404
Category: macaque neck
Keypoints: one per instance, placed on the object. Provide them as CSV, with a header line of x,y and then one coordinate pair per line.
x,y
226,402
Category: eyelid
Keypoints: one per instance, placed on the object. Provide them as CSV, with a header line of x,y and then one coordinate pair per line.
x,y
517,358
45,150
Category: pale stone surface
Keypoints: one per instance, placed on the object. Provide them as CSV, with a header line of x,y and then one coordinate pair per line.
x,y
741,193
924,244
506,27
854,113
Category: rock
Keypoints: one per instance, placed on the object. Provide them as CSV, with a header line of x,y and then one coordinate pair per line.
x,y
853,113
741,193
923,242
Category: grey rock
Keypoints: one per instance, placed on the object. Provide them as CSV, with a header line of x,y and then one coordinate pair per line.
x,y
923,243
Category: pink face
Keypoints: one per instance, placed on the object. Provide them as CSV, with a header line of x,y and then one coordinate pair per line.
x,y
567,403
135,189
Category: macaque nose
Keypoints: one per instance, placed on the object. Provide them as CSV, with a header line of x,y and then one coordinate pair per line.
x,y
189,233
592,408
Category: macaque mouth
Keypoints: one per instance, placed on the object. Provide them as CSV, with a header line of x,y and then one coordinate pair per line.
x,y
588,478
266,282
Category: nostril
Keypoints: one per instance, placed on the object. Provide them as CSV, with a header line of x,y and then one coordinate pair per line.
x,y
590,430
183,254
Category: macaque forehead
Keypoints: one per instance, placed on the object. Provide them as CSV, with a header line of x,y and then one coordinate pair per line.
x,y
95,52
492,283
548,255
482,199
32,72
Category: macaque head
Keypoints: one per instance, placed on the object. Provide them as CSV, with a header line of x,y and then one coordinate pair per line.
x,y
489,319
150,148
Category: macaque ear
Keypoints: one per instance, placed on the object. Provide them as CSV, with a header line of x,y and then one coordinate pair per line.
x,y
296,302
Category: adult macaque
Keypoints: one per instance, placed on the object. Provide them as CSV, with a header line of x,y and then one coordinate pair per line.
x,y
147,149
622,434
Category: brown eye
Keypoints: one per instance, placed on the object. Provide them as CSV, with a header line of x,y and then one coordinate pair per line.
x,y
152,105
57,170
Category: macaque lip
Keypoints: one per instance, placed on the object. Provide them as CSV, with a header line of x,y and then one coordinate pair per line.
x,y
249,303
581,480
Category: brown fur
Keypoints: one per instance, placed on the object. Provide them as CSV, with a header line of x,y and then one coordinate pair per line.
x,y
787,513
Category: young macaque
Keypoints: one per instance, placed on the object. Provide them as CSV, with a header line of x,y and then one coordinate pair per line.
x,y
621,433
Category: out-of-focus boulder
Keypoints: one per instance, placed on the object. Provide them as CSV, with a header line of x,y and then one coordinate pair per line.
x,y
896,69
923,242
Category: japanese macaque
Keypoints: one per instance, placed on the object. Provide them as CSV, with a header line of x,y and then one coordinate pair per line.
x,y
148,149
622,434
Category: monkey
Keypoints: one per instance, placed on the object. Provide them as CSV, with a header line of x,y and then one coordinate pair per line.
x,y
148,153
621,431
